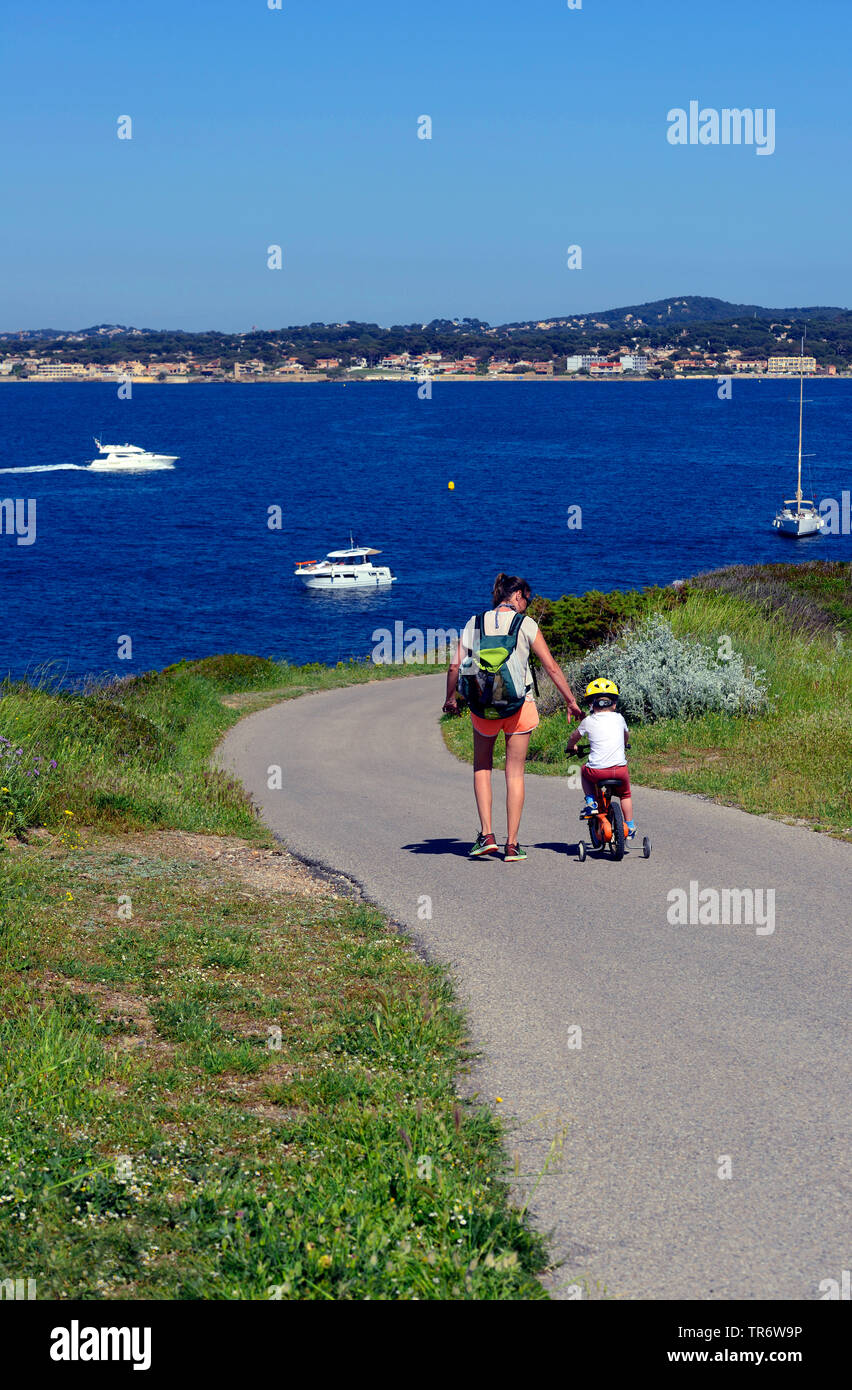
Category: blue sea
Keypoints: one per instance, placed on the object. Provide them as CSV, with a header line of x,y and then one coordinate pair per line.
x,y
670,480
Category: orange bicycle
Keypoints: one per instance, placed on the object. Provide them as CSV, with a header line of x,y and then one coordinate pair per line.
x,y
606,826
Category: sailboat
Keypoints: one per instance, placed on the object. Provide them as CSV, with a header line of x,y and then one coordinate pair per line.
x,y
799,516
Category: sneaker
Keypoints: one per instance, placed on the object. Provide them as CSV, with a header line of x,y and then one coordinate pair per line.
x,y
630,829
589,809
512,853
484,844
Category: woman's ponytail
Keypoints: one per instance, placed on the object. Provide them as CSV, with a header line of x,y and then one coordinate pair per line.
x,y
507,584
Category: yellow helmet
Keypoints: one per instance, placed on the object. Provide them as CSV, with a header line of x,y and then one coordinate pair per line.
x,y
601,686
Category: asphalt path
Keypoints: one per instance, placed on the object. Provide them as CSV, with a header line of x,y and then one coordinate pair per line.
x,y
703,1049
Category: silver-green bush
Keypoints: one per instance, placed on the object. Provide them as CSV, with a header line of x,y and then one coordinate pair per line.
x,y
662,676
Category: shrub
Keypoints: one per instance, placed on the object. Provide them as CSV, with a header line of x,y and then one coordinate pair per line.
x,y
112,725
662,676
814,597
229,670
574,623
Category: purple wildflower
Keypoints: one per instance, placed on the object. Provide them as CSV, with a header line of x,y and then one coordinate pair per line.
x,y
52,763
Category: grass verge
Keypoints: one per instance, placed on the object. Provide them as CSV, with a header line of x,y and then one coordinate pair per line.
x,y
220,1078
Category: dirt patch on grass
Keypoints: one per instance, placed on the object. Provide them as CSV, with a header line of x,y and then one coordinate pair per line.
x,y
251,700
129,1013
260,868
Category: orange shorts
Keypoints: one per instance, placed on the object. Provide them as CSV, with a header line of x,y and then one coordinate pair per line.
x,y
523,721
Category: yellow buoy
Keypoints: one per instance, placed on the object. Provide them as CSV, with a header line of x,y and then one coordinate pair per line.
x,y
451,486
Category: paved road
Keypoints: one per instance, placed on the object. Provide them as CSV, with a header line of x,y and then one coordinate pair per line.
x,y
698,1041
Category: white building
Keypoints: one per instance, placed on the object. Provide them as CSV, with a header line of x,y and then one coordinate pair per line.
x,y
635,362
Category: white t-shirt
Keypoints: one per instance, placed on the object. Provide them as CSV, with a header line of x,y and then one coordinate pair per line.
x,y
606,731
497,622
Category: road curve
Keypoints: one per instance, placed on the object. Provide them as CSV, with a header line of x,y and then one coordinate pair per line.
x,y
704,1048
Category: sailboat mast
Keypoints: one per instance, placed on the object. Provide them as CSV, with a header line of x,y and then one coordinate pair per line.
x,y
801,390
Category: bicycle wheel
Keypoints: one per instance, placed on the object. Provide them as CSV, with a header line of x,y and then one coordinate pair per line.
x,y
594,835
616,844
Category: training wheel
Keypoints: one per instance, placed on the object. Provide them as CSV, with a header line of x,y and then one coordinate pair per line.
x,y
646,847
581,851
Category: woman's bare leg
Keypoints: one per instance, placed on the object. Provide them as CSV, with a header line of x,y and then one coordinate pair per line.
x,y
483,761
516,756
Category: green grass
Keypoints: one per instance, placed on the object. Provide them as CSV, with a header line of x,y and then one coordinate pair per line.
x,y
203,1164
791,762
135,754
237,1091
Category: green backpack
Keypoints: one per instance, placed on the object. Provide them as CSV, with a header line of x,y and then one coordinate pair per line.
x,y
491,678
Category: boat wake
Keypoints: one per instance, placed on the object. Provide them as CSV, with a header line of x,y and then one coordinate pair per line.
x,y
45,468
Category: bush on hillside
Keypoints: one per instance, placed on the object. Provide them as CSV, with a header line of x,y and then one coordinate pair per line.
x,y
814,597
662,676
574,623
229,670
103,721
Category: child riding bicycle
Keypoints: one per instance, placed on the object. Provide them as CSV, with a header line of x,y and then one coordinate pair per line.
x,y
608,737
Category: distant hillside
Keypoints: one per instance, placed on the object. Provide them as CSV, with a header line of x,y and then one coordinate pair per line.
x,y
689,309
670,327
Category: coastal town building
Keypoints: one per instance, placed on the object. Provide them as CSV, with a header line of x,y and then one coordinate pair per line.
x,y
791,364
60,371
47,361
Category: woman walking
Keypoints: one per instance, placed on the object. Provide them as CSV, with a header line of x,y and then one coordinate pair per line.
x,y
511,596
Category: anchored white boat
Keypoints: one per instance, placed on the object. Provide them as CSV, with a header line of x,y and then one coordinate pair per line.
x,y
127,458
344,569
799,515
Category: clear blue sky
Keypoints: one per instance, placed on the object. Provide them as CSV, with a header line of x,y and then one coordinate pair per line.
x,y
254,126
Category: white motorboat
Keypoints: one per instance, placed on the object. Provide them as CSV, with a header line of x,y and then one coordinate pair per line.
x,y
128,458
799,516
344,569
